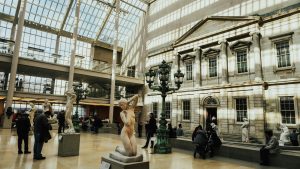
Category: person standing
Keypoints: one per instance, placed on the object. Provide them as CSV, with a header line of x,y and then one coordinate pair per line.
x,y
179,131
294,138
140,129
61,121
23,128
151,129
41,134
271,147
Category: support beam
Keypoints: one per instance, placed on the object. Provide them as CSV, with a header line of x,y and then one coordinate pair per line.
x,y
14,63
104,22
113,70
66,15
48,29
124,1
13,29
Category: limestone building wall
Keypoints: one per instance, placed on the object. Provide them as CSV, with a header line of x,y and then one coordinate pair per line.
x,y
266,86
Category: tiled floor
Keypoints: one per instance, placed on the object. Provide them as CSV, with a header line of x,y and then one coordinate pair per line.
x,y
92,147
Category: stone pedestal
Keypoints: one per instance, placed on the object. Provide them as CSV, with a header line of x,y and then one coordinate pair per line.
x,y
119,165
68,144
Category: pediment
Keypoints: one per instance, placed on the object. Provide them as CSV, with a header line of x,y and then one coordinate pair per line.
x,y
188,57
211,51
239,44
212,25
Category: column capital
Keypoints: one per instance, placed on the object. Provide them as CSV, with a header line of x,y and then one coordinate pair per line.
x,y
222,41
254,33
197,48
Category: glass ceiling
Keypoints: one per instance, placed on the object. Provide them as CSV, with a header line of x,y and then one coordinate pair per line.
x,y
93,14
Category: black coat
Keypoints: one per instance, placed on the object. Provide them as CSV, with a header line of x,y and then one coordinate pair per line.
x,y
23,125
151,128
42,127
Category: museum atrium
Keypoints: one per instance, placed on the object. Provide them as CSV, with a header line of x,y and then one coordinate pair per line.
x,y
112,76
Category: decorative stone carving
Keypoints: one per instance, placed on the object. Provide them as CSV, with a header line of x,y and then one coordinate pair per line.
x,y
71,97
285,135
245,130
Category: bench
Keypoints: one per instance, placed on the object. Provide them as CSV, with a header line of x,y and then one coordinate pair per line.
x,y
286,159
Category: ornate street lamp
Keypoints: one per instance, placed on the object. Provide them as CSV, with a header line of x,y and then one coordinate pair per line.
x,y
163,145
80,95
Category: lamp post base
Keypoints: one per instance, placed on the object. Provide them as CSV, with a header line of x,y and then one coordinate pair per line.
x,y
163,145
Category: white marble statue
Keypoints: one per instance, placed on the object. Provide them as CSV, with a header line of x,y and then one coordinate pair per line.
x,y
245,131
71,97
47,106
285,134
32,111
128,133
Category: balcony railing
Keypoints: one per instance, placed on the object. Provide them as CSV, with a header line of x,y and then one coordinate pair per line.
x,y
6,47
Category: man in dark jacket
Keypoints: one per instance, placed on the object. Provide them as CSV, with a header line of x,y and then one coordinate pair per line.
x,y
41,134
23,127
151,129
61,121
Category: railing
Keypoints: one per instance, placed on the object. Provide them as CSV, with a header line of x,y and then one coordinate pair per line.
x,y
6,47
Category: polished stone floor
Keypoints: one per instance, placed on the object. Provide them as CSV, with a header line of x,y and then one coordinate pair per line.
x,y
92,147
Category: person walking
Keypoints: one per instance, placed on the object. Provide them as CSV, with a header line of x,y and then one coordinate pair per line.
x,y
151,129
41,134
23,128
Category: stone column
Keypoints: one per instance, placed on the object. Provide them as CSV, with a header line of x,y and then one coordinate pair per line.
x,y
74,42
14,63
257,55
113,67
198,67
224,61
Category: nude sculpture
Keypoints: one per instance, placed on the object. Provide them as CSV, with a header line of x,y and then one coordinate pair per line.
x,y
245,131
128,133
71,97
32,113
47,106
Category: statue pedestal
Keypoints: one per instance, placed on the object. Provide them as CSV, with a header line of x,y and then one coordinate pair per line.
x,y
68,144
120,165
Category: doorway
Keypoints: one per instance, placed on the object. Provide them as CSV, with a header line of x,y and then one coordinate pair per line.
x,y
211,112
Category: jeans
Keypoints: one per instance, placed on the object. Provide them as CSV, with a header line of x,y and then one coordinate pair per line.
x,y
149,135
61,128
264,156
38,145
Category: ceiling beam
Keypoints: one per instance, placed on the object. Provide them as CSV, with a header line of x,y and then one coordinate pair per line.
x,y
104,22
66,15
56,31
124,1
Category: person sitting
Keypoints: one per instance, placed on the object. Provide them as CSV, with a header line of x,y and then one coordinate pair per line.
x,y
294,138
179,131
271,147
201,142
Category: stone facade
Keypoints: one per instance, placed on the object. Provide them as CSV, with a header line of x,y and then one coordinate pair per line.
x,y
261,81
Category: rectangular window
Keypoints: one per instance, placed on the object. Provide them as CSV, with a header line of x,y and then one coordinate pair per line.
x,y
168,110
212,67
189,71
241,108
241,57
287,110
283,54
131,71
186,109
155,109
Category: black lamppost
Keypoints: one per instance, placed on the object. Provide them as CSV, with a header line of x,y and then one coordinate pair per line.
x,y
163,145
80,95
